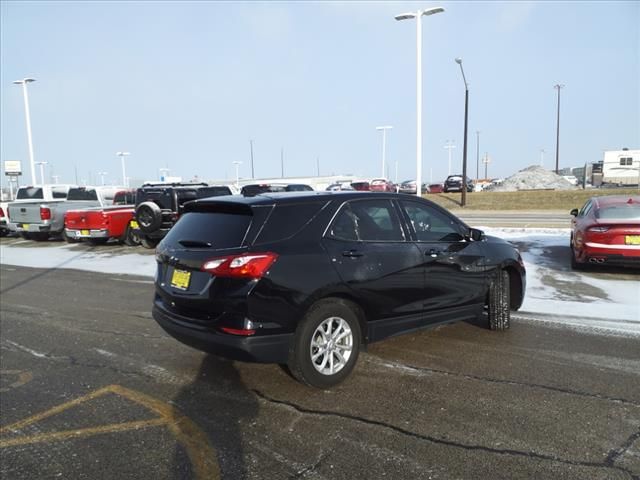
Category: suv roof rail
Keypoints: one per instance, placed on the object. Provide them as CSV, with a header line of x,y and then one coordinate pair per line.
x,y
174,184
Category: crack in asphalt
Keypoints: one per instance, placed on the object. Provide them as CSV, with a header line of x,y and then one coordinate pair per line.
x,y
314,467
607,463
616,453
467,376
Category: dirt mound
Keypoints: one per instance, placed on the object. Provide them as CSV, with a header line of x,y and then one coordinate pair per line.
x,y
533,178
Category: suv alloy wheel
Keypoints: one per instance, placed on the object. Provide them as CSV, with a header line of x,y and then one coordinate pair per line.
x,y
326,344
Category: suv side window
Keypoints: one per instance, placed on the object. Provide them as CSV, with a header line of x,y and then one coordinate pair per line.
x,y
431,225
367,220
287,220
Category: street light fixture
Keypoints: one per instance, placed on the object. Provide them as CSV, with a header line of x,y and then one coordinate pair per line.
x,y
384,145
418,16
102,175
463,199
42,164
24,82
124,174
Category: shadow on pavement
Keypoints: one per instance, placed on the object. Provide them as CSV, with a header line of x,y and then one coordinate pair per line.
x,y
219,403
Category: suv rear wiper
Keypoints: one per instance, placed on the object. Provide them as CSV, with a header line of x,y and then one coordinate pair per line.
x,y
194,243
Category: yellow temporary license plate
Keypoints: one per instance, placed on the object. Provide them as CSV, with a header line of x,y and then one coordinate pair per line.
x,y
84,233
180,279
632,239
25,226
134,224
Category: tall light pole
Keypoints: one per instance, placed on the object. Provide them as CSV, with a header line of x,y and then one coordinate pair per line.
x,y
384,145
486,160
252,172
42,164
124,174
463,199
477,155
558,87
102,175
449,146
237,164
418,16
24,82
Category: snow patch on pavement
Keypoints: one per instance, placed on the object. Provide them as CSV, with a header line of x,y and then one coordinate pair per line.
x,y
67,256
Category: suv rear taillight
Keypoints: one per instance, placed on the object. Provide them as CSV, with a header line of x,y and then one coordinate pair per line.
x,y
249,265
45,213
1,212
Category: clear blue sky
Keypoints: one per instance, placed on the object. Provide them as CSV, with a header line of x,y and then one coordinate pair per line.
x,y
185,85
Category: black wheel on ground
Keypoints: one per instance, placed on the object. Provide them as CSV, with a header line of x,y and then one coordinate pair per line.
x,y
39,236
131,237
69,239
499,302
97,241
575,265
326,344
149,217
148,242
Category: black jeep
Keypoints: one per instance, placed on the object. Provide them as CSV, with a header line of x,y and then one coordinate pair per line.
x,y
159,205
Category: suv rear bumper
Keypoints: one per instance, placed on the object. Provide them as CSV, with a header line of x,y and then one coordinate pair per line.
x,y
259,348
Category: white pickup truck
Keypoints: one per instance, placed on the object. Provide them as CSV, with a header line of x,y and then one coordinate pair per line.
x,y
38,212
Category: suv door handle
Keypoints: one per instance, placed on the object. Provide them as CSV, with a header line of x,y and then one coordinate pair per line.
x,y
352,254
432,252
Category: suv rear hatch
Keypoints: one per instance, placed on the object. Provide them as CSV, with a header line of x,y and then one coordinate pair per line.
x,y
204,271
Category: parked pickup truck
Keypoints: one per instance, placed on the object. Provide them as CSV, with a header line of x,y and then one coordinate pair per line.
x,y
97,225
39,219
4,228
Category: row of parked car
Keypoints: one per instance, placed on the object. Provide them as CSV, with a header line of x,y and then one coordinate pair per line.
x,y
98,214
142,216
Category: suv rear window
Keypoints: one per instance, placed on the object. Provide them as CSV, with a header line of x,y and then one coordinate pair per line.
x,y
82,194
30,192
209,229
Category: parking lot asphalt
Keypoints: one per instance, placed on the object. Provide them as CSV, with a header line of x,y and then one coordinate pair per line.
x,y
91,387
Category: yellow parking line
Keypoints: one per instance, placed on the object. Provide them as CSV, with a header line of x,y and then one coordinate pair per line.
x,y
202,456
83,432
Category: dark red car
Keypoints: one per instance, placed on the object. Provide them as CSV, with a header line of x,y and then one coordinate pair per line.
x,y
606,230
436,188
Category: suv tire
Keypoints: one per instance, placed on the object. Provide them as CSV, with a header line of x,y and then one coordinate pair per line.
x,y
326,343
149,217
500,302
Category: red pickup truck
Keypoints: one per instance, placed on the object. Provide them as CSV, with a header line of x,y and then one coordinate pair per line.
x,y
98,225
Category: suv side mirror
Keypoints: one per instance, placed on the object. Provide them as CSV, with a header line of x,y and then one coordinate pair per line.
x,y
475,234
574,212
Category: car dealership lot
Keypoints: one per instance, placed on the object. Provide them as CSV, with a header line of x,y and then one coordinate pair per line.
x,y
87,375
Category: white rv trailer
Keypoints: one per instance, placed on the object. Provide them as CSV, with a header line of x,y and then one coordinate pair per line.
x,y
621,167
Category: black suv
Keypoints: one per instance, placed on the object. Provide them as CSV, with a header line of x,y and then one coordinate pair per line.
x,y
453,183
159,205
306,279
